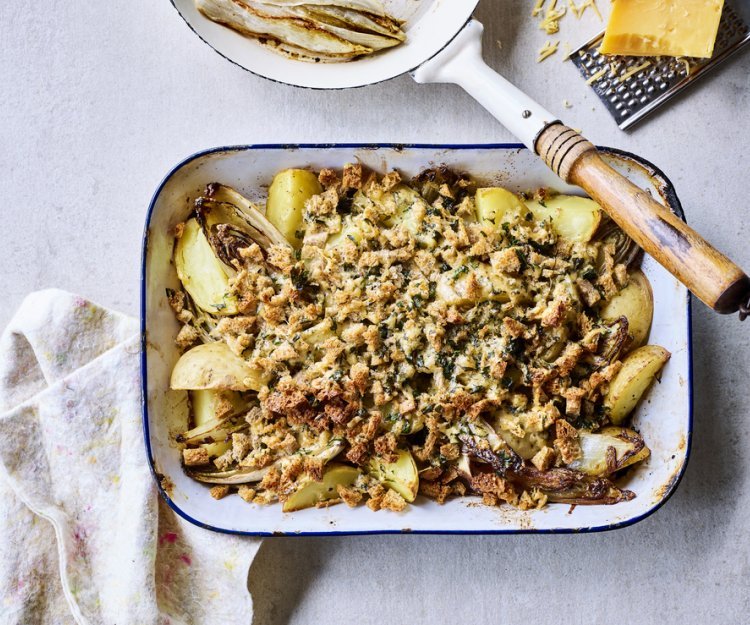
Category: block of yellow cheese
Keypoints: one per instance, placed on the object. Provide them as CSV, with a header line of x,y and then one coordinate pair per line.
x,y
662,27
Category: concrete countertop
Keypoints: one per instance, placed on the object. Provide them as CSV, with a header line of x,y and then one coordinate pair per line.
x,y
102,98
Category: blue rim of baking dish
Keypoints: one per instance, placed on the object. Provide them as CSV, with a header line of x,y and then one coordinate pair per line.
x,y
669,195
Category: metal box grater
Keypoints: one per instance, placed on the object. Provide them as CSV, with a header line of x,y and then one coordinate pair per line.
x,y
631,99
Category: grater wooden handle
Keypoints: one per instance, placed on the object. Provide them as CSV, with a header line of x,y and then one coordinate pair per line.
x,y
711,276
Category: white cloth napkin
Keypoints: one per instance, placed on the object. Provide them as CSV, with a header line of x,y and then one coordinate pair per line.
x,y
84,536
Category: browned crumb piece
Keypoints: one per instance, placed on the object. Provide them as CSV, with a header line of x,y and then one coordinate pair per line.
x,y
450,451
352,178
435,490
257,459
390,180
328,178
223,407
431,474
568,359
219,492
376,493
177,300
350,496
513,327
544,458
359,373
289,475
433,436
555,313
588,292
573,397
493,488
179,229
271,480
224,461
358,453
566,442
458,488
490,499
506,261
195,457
393,501
186,337
281,256
385,447
241,446
533,499
314,467
621,275
246,493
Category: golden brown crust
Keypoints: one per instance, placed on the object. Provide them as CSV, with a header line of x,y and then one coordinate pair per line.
x,y
403,323
195,457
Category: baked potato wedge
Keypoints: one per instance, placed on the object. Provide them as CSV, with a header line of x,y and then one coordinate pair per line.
x,y
636,303
574,218
496,205
204,276
311,493
401,476
214,366
639,369
287,195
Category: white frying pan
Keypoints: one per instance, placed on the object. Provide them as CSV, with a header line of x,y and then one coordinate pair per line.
x,y
444,46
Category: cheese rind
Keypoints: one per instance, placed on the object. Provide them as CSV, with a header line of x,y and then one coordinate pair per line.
x,y
662,28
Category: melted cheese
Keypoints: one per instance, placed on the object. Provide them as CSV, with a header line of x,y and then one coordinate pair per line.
x,y
663,27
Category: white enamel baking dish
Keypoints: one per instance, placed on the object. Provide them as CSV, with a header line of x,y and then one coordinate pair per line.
x,y
664,417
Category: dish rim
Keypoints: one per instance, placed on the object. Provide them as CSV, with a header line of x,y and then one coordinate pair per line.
x,y
674,204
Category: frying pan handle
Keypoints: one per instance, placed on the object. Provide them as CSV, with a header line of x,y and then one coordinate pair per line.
x,y
461,62
710,275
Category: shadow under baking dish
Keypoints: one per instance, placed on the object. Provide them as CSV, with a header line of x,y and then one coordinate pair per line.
x,y
664,417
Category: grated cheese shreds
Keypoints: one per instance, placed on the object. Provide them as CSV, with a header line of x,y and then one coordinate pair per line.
x,y
547,50
581,8
592,4
635,70
551,22
596,76
686,63
537,8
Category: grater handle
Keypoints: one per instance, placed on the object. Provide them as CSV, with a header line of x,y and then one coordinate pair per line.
x,y
711,276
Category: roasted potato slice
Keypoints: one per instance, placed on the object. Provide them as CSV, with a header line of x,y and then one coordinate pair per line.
x,y
638,372
202,274
287,196
311,493
401,476
608,451
214,366
574,218
636,303
496,205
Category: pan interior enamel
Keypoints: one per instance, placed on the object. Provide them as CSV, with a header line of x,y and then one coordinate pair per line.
x,y
430,24
663,418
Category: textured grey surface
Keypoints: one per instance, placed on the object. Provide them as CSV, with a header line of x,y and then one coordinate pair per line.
x,y
100,99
